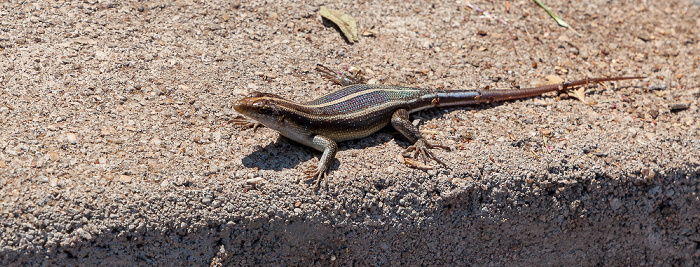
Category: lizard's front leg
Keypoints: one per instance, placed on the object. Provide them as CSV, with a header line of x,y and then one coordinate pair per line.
x,y
400,122
329,148
242,121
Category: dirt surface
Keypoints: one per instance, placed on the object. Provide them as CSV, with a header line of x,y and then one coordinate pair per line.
x,y
116,144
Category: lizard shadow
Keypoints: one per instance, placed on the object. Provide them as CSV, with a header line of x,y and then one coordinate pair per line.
x,y
278,155
285,153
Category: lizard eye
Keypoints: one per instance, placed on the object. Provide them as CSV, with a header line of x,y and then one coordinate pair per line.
x,y
264,110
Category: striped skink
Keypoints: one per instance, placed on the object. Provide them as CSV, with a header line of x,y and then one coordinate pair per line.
x,y
358,110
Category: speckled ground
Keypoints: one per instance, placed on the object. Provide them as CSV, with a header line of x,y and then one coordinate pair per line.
x,y
116,145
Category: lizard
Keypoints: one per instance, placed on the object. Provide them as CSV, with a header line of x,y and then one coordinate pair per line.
x,y
359,110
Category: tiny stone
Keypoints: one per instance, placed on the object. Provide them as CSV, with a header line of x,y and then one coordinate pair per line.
x,y
83,234
105,131
600,154
615,204
650,136
71,138
678,107
125,179
213,168
670,192
216,136
661,86
11,152
100,55
180,181
38,163
546,132
54,156
254,181
655,112
15,164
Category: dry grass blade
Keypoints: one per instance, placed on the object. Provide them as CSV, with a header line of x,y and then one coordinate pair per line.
x,y
560,21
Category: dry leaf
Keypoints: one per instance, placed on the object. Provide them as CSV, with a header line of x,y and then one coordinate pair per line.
x,y
579,94
344,21
553,79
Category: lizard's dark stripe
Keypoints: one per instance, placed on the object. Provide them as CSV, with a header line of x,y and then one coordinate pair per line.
x,y
353,89
383,101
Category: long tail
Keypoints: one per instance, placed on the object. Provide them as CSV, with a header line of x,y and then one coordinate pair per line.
x,y
501,95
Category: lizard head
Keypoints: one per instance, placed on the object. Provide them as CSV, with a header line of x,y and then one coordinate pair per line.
x,y
262,107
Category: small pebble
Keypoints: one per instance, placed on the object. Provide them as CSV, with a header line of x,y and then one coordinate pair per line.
x,y
655,112
83,234
213,168
71,138
125,179
54,156
615,204
12,152
254,181
546,132
678,107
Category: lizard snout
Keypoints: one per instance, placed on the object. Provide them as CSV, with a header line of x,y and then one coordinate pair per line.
x,y
241,105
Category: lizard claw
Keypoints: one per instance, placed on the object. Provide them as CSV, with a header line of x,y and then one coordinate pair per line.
x,y
315,173
420,148
241,121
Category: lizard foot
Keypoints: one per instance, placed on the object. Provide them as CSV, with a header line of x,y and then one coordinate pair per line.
x,y
315,173
420,148
338,77
242,121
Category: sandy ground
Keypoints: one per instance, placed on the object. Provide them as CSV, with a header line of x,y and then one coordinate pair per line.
x,y
116,145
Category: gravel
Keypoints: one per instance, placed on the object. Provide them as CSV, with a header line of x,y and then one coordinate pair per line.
x,y
117,147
